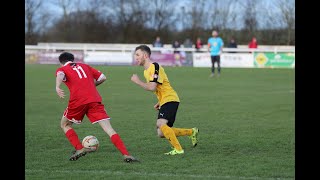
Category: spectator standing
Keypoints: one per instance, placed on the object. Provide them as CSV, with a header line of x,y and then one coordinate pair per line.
x,y
176,53
232,44
157,42
198,44
187,43
188,54
176,45
215,44
253,43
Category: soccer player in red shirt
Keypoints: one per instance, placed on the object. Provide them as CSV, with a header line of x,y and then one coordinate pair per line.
x,y
82,79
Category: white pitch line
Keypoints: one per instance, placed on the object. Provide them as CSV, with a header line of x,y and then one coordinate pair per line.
x,y
290,91
261,92
284,91
276,92
151,174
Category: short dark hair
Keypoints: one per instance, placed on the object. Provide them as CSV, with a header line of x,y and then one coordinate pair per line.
x,y
144,48
65,57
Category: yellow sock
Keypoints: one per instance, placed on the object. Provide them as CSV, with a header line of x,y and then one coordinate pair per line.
x,y
182,132
170,135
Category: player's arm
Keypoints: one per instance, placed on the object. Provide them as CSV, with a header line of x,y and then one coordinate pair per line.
x,y
222,44
100,80
156,106
59,79
98,76
149,86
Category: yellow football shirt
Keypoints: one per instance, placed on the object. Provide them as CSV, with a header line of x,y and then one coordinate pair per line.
x,y
165,93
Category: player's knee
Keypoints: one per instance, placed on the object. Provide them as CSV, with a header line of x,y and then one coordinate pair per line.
x,y
65,125
161,122
160,135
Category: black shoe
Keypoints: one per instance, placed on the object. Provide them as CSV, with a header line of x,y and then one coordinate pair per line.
x,y
129,159
79,153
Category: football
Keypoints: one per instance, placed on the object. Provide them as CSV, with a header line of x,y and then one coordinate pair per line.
x,y
90,142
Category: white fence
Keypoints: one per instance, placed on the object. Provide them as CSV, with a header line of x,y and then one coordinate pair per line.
x,y
130,47
121,54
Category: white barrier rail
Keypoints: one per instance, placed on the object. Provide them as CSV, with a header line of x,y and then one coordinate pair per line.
x,y
162,49
122,54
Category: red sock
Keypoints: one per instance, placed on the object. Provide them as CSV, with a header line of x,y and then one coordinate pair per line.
x,y
116,140
73,139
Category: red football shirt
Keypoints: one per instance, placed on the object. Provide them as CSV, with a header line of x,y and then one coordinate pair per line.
x,y
79,78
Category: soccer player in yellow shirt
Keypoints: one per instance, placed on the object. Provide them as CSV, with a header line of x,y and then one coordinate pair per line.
x,y
168,100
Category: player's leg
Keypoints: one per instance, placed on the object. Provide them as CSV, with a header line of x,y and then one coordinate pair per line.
x,y
116,140
169,112
191,132
194,136
182,131
169,134
218,62
114,136
166,118
76,114
212,66
70,133
97,114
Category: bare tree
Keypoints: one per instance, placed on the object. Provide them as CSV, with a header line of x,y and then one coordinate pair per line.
x,y
162,14
31,9
96,6
65,5
197,13
287,8
130,15
132,21
250,15
63,26
221,13
194,17
270,17
130,11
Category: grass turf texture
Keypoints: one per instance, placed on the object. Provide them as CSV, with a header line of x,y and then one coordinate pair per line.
x,y
245,116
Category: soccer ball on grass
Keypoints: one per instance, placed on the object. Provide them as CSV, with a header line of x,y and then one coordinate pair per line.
x,y
90,142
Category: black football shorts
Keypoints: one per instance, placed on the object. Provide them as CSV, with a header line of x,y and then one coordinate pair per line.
x,y
168,111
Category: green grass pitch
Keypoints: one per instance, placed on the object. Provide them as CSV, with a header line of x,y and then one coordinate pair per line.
x,y
245,116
